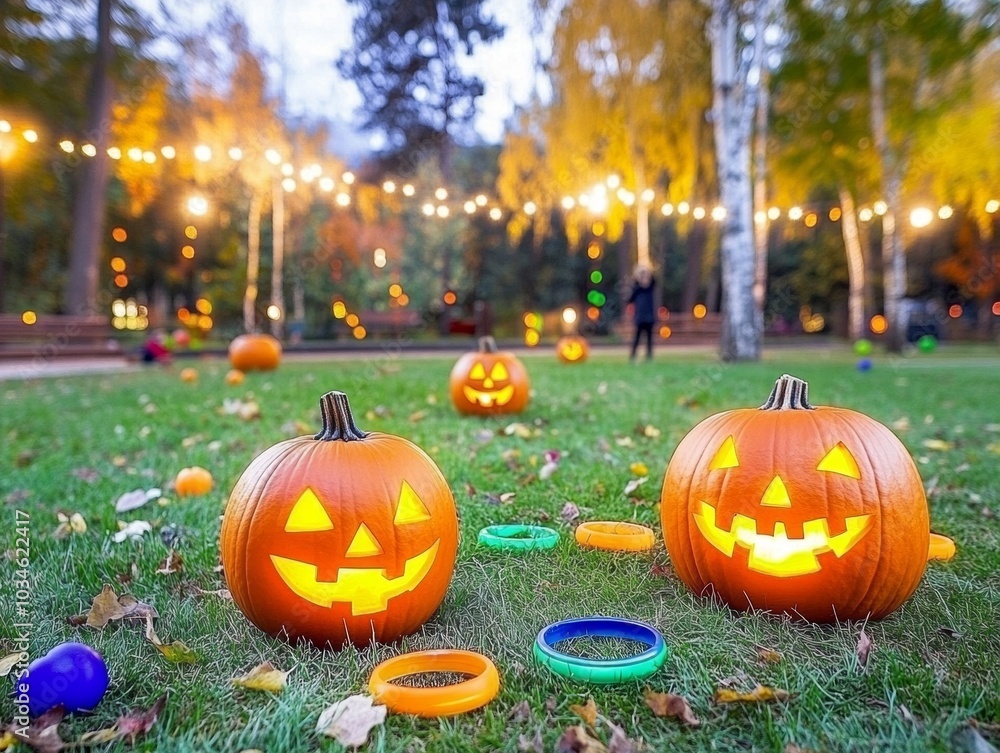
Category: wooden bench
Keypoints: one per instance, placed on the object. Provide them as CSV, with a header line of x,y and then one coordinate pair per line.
x,y
394,322
679,328
56,336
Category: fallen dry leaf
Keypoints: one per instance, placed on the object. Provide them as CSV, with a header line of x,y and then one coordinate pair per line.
x,y
416,416
108,607
134,530
936,444
43,732
350,721
172,563
576,740
264,677
620,742
222,593
650,431
671,706
518,429
136,498
570,512
531,744
634,484
69,524
10,661
140,721
759,694
950,632
586,711
90,475
520,712
768,655
177,652
639,469
863,649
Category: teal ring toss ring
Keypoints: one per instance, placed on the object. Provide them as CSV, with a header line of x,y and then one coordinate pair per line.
x,y
601,671
517,537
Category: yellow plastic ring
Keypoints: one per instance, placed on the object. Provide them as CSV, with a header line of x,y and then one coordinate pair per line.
x,y
433,702
617,537
941,548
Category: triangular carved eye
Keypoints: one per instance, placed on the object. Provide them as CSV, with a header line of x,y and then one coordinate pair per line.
x,y
410,508
499,372
308,515
725,457
840,460
477,371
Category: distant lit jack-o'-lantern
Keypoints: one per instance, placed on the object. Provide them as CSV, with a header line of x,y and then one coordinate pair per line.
x,y
256,352
572,349
815,512
343,537
489,381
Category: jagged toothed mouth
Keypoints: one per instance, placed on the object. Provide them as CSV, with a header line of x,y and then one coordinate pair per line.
x,y
489,399
777,554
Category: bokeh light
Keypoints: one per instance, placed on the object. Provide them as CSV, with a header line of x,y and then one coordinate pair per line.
x,y
569,315
955,311
699,311
450,298
339,309
273,312
187,251
878,324
531,338
351,320
29,317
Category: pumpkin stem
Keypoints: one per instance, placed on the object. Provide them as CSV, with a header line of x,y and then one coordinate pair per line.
x,y
789,393
487,345
338,422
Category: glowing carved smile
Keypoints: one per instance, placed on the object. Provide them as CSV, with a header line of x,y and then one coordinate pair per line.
x,y
488,399
777,554
368,590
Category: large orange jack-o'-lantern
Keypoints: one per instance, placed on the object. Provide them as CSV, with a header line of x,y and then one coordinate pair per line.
x,y
816,512
572,349
489,381
343,537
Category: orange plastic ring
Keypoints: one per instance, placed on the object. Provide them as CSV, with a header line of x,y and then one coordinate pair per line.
x,y
941,548
618,537
432,702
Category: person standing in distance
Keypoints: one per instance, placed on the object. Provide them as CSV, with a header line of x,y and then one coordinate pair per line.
x,y
643,308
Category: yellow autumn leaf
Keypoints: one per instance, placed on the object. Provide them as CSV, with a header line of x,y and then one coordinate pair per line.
x,y
759,694
639,469
177,652
936,444
264,677
587,712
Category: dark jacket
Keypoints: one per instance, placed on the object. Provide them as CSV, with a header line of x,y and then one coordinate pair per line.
x,y
642,299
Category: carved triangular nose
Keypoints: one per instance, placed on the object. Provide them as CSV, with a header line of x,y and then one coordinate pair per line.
x,y
776,495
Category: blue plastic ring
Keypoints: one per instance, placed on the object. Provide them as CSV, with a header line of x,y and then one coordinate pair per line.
x,y
601,671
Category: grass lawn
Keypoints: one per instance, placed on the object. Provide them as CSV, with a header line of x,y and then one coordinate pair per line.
x,y
76,444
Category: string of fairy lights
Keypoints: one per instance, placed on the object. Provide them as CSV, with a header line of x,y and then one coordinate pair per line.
x,y
435,203
441,204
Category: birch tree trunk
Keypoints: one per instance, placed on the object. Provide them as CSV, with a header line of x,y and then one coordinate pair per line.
x,y
893,260
855,266
253,264
80,295
734,101
278,256
761,229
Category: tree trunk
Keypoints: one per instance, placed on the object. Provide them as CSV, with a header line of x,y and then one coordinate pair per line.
x,y
278,256
893,260
761,229
80,295
642,233
253,264
855,266
3,242
733,106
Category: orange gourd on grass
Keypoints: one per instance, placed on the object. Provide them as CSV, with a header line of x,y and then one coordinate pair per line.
x,y
234,377
819,512
254,353
193,482
489,381
572,349
345,536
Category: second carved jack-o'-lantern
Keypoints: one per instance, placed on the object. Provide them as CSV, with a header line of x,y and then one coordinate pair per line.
x,y
489,381
572,349
343,537
816,512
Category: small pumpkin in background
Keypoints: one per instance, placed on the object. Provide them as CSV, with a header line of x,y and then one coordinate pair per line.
x,y
256,352
345,536
189,375
489,381
193,482
235,377
819,512
572,349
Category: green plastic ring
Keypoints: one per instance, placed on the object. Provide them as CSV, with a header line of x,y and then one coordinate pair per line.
x,y
601,671
516,537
